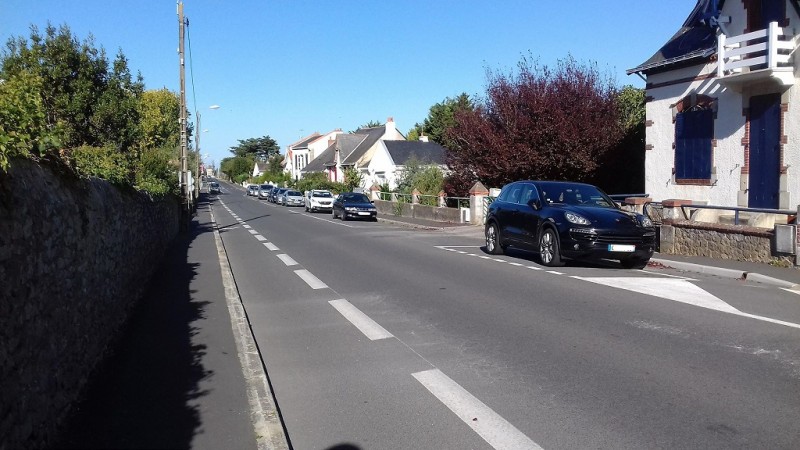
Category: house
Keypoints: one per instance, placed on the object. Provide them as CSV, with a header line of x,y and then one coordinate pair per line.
x,y
391,157
292,160
300,153
723,107
353,151
260,168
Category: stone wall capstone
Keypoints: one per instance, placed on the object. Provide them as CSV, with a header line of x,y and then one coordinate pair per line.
x,y
75,257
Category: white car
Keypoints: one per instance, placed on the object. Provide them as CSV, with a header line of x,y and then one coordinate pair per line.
x,y
319,200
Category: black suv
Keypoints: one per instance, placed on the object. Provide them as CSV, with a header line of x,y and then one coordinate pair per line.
x,y
561,220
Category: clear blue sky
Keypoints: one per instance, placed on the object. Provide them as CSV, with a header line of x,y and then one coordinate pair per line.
x,y
288,68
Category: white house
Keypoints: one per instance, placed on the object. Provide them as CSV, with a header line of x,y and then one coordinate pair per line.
x,y
259,168
300,153
353,150
297,155
391,157
723,107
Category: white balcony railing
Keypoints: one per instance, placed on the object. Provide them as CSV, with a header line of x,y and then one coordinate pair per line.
x,y
767,51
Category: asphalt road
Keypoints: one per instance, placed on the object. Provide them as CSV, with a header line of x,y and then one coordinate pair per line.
x,y
380,336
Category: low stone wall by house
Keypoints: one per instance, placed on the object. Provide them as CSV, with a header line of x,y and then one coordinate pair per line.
x,y
388,209
737,242
75,257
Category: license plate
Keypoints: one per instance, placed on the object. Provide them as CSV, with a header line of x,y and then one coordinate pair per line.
x,y
363,214
621,248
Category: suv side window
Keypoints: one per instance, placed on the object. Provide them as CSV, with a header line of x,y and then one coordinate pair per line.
x,y
528,193
511,193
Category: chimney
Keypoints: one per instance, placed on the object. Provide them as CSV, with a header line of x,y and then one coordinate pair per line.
x,y
390,126
423,138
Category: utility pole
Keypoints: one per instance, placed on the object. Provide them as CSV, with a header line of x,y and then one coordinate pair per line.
x,y
184,144
197,177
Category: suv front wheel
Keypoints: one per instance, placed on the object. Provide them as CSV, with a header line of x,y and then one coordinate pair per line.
x,y
549,251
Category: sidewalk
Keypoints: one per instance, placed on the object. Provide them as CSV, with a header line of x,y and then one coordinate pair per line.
x,y
759,272
175,380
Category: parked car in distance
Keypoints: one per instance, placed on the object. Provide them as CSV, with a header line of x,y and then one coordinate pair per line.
x,y
561,220
263,191
319,200
354,205
252,189
279,195
213,188
293,198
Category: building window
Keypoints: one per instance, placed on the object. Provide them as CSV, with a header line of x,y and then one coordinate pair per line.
x,y
694,132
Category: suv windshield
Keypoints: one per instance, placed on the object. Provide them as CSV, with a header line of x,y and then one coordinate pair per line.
x,y
575,194
294,194
322,194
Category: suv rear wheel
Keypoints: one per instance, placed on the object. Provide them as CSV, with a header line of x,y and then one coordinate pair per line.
x,y
493,239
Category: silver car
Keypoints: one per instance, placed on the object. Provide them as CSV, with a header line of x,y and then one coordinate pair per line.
x,y
292,198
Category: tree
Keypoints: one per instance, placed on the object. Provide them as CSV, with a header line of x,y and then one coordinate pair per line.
x,y
237,168
627,156
441,117
538,123
260,149
370,124
84,100
157,112
352,179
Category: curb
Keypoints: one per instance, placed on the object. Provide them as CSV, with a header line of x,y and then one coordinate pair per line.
x,y
726,273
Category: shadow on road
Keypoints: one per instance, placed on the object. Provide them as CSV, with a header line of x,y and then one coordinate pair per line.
x,y
141,396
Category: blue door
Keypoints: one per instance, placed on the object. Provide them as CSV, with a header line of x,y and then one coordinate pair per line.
x,y
765,151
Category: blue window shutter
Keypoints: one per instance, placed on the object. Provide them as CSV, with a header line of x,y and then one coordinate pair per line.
x,y
694,131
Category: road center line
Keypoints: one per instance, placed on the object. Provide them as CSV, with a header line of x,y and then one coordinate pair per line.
x,y
247,226
489,425
271,246
287,259
260,237
369,327
310,279
253,231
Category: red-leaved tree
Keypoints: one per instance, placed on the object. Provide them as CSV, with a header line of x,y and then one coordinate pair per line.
x,y
535,124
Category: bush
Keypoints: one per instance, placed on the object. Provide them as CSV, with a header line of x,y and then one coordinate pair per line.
x,y
101,162
22,119
156,173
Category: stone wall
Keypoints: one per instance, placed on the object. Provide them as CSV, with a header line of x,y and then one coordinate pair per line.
x,y
75,256
737,242
388,209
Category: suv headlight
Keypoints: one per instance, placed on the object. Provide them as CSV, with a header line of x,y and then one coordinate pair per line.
x,y
646,222
576,219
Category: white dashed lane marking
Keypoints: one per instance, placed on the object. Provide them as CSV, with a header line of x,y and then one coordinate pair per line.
x,y
369,327
287,259
310,279
489,425
260,237
271,246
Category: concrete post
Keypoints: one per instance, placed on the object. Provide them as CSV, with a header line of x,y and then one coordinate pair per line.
x,y
375,192
476,195
636,204
672,209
